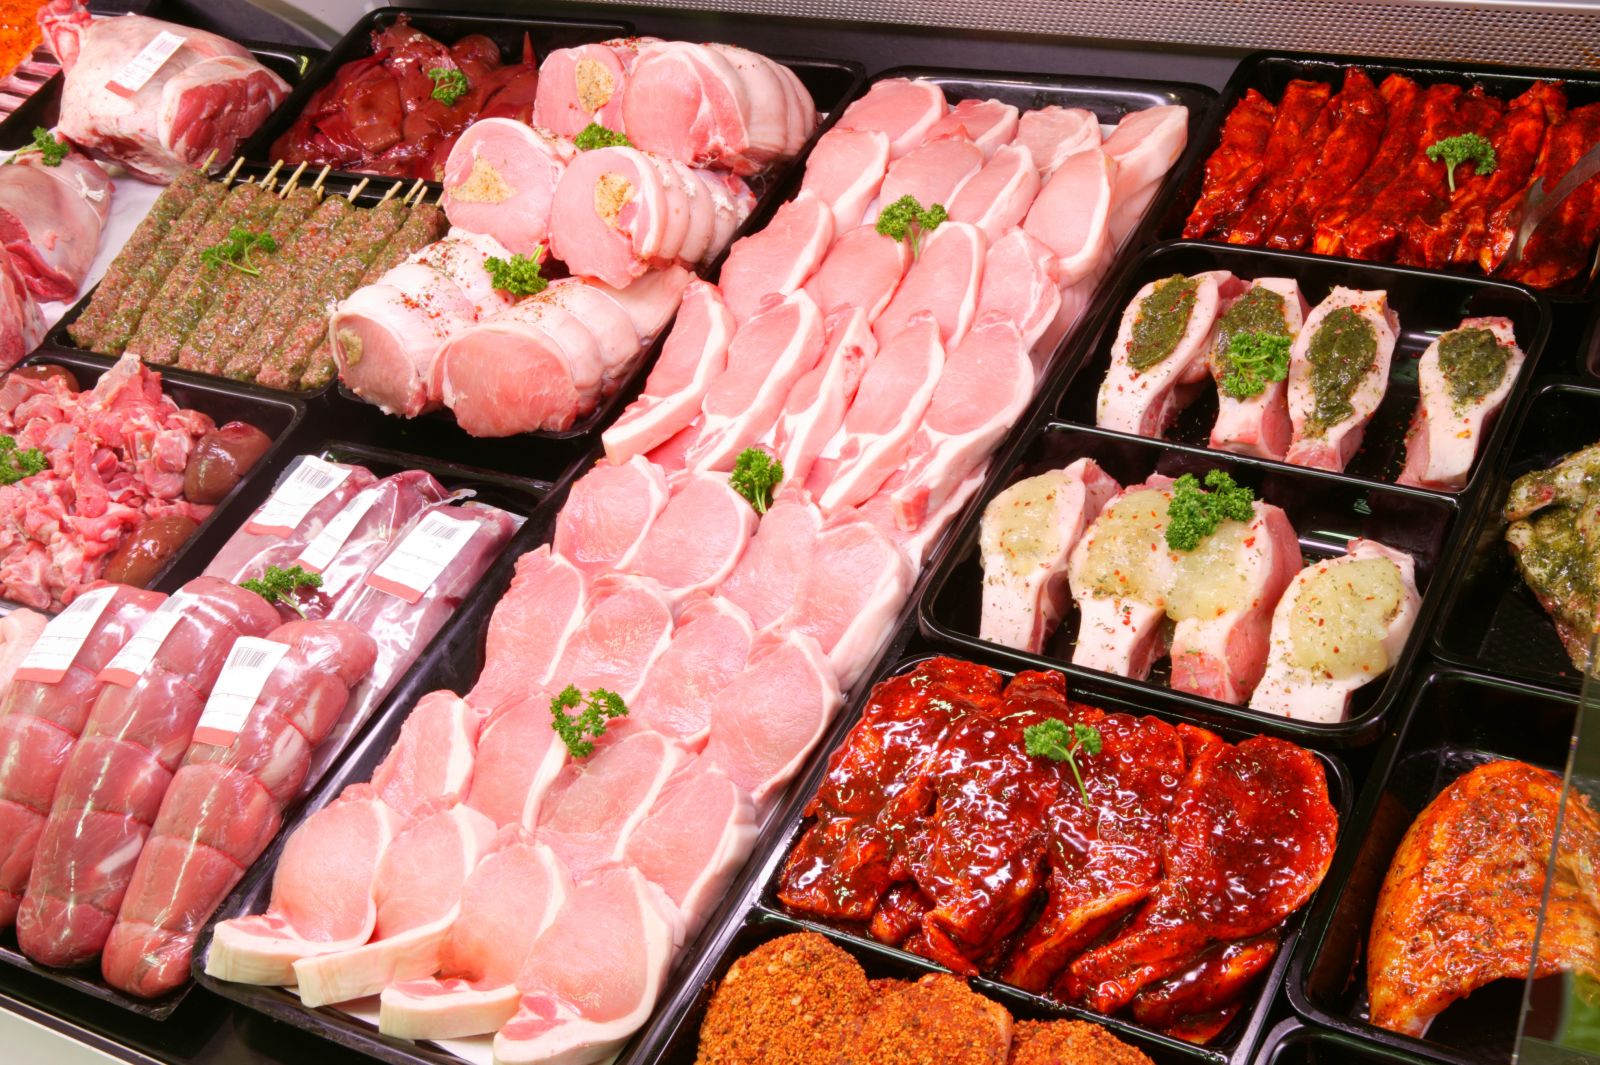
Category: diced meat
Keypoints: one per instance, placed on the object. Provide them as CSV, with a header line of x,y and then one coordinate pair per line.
x,y
998,197
1122,605
1223,598
627,626
417,889
987,123
695,352
777,559
862,270
710,646
850,595
500,179
1072,214
433,759
1257,425
1329,426
845,169
779,258
516,762
1025,538
322,894
598,802
934,172
1019,282
767,720
529,628
50,221
1052,134
768,355
1339,626
903,109
607,514
698,538
1447,431
943,282
817,403
1146,387
695,838
585,84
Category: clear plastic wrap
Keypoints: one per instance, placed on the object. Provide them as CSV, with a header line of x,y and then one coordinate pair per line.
x,y
307,496
18,630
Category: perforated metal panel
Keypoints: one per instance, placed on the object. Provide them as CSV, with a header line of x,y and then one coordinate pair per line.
x,y
1547,34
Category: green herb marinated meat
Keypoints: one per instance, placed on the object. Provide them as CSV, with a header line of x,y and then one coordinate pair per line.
x,y
1163,317
1473,362
199,351
194,284
147,236
288,364
1554,535
177,239
1342,352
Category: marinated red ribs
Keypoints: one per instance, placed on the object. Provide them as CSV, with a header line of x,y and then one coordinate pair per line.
x,y
1303,123
1562,247
1357,127
1234,168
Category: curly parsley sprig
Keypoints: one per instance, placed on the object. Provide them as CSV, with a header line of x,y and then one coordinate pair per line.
x,y
278,585
517,276
236,252
906,219
1055,740
17,463
756,476
594,135
599,707
1463,148
1193,514
1254,360
51,150
449,84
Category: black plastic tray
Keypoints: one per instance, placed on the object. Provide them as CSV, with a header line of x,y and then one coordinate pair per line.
x,y
1428,304
1490,618
751,910
1326,510
1269,72
1456,720
275,415
519,496
1293,1043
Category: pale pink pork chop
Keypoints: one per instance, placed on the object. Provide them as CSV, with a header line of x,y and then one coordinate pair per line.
x,y
1145,144
768,355
1120,627
1219,645
1146,399
322,893
695,352
1072,214
846,169
767,578
985,386
931,173
585,84
817,403
1331,446
990,124
500,179
433,758
593,977
529,627
517,760
417,889
862,271
1019,281
508,901
1445,433
942,281
767,720
851,594
903,109
598,802
777,259
1026,536
1052,134
998,197
696,836
697,539
625,627
1256,425
607,513
887,410
710,646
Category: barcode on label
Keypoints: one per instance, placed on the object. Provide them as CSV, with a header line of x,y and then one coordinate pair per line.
x,y
308,484
327,543
58,645
413,564
142,67
130,663
250,662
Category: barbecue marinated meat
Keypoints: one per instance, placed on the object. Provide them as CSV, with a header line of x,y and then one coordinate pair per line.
x,y
1219,977
1459,905
1249,839
1554,539
1304,120
1357,126
1563,245
1234,168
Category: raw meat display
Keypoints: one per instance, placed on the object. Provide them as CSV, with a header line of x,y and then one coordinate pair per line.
x,y
21,323
1551,540
1485,842
1359,173
99,464
198,286
52,212
1338,373
19,630
1465,377
586,84
154,96
946,815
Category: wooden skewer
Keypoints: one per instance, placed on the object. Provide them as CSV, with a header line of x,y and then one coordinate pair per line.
x,y
272,175
205,167
294,179
396,187
233,171
420,186
360,187
316,185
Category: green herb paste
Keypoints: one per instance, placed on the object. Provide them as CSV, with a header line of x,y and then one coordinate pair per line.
x,y
1473,364
1343,352
1163,316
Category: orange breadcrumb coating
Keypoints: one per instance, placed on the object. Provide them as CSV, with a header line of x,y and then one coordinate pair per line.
x,y
790,1001
938,1020
1070,1043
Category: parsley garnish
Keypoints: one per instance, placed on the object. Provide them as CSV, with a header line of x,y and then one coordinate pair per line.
x,y
17,463
756,475
1193,515
594,135
278,585
906,217
517,276
599,707
1254,360
1465,148
1053,739
45,143
449,85
235,252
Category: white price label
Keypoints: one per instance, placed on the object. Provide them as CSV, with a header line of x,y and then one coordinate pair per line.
x,y
250,662
142,67
290,502
58,645
414,563
130,663
327,543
